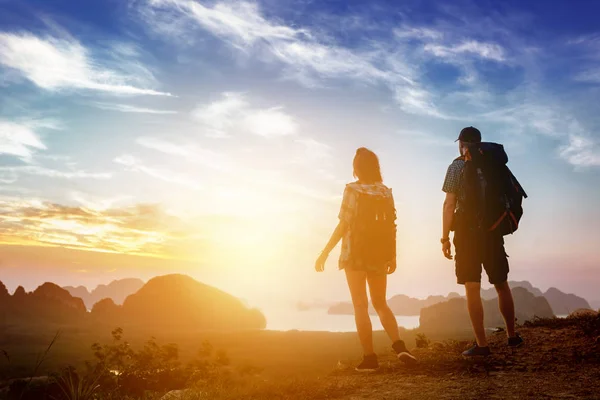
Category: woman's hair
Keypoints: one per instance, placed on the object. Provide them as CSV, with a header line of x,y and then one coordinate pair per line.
x,y
366,166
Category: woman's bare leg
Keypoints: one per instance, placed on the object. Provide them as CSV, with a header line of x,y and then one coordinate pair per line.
x,y
357,283
378,290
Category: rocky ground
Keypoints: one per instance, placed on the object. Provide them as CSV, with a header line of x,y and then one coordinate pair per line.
x,y
561,359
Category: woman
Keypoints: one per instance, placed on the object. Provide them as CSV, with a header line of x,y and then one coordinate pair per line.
x,y
368,232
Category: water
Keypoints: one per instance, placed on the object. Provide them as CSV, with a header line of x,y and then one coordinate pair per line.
x,y
285,319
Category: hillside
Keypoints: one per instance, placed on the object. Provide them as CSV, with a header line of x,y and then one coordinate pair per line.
x,y
452,315
47,303
562,303
179,301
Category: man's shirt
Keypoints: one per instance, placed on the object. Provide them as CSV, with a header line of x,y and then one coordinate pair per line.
x,y
453,183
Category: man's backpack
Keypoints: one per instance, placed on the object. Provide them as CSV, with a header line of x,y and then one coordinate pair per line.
x,y
493,196
373,230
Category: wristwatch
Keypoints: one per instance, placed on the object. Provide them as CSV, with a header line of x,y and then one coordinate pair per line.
x,y
444,240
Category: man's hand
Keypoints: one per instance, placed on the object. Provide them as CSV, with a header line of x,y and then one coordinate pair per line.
x,y
447,250
320,264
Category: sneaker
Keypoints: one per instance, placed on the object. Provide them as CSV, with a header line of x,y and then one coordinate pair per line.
x,y
477,351
402,353
516,341
368,364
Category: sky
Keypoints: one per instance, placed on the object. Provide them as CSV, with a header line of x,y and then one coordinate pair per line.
x,y
214,138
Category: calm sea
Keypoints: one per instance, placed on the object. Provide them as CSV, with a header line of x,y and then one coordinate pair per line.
x,y
283,319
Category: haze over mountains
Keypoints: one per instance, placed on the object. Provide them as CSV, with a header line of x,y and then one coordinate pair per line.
x,y
117,290
560,303
170,301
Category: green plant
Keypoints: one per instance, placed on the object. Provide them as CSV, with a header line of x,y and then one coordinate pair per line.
x,y
422,341
40,359
76,387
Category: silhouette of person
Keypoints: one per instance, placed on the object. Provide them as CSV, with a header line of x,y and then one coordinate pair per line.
x,y
475,248
367,229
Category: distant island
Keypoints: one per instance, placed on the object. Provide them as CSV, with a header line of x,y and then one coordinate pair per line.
x,y
560,303
117,291
400,305
170,301
452,315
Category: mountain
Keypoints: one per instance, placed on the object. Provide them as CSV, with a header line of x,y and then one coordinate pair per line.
x,y
178,301
117,290
47,303
563,303
490,293
452,315
400,305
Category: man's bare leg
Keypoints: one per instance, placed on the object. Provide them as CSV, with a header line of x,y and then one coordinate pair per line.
x,y
475,307
507,307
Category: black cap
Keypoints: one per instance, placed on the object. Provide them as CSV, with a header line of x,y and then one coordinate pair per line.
x,y
469,135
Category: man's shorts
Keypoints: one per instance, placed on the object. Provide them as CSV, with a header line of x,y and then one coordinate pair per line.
x,y
474,249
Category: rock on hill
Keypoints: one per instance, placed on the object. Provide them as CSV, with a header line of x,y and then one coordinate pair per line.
x,y
178,301
48,303
117,290
400,305
452,316
563,303
490,293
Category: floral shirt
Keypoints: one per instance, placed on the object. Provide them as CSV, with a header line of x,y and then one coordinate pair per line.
x,y
348,213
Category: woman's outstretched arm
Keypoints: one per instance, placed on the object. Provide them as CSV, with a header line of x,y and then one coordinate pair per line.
x,y
336,236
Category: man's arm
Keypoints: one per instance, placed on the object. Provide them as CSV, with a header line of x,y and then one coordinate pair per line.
x,y
447,219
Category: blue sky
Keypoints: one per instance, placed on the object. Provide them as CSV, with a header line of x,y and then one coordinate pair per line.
x,y
222,132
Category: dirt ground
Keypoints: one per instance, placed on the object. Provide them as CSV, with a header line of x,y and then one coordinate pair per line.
x,y
555,362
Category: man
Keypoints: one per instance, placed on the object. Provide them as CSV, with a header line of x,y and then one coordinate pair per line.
x,y
475,248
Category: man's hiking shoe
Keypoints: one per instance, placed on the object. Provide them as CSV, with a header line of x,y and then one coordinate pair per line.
x,y
516,341
477,351
368,364
402,353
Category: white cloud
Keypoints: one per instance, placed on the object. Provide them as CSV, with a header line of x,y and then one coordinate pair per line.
x,y
591,75
126,108
304,57
189,152
489,51
18,139
233,113
417,33
314,149
10,174
219,116
63,63
581,151
270,122
136,165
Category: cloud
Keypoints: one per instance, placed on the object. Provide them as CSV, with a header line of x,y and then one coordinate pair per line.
x,y
10,174
136,165
417,33
219,116
233,113
305,58
19,139
126,108
144,229
190,152
54,64
487,51
581,151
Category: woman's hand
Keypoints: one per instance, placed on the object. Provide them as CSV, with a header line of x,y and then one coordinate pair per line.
x,y
320,264
391,268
